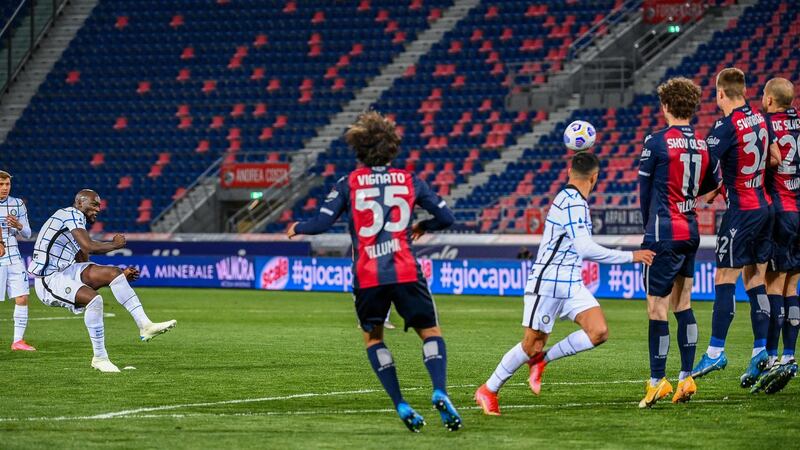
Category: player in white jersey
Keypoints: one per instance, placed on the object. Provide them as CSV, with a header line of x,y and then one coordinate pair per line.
x,y
66,278
555,288
13,278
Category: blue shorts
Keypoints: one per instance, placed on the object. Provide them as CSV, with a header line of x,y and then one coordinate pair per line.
x,y
672,258
744,238
413,302
786,251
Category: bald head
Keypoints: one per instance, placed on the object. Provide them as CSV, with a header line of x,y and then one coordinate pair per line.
x,y
84,197
781,91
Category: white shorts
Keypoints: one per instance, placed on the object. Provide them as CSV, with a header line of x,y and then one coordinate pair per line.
x,y
59,289
540,311
14,281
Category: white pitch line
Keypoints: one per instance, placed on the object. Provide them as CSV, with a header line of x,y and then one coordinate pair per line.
x,y
59,318
330,412
130,412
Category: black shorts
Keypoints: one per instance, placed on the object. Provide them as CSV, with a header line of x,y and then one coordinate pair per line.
x,y
413,302
786,246
744,238
672,258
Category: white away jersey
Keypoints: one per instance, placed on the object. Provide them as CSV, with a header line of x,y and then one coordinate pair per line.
x,y
13,206
567,236
55,248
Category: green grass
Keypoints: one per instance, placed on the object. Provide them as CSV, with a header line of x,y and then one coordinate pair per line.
x,y
232,345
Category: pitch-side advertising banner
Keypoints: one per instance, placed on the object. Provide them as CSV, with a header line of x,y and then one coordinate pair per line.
x,y
188,271
479,277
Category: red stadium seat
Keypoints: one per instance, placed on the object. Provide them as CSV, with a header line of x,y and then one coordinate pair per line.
x,y
98,159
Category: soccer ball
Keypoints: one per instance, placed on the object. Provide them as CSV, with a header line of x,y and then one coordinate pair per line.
x,y
579,136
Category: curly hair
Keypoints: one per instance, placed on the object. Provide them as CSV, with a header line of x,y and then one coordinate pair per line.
x,y
374,138
681,97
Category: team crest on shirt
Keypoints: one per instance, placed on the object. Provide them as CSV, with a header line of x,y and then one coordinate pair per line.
x,y
68,290
546,320
13,212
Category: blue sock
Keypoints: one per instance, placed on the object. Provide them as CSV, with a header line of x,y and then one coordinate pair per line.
x,y
434,355
383,364
759,315
724,310
687,338
659,347
775,323
791,325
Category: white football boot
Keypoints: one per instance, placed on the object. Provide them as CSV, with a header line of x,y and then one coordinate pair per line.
x,y
104,365
152,330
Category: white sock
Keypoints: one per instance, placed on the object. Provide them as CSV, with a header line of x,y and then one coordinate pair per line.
x,y
654,381
20,321
511,361
683,375
786,358
771,362
127,298
757,350
576,342
93,318
714,352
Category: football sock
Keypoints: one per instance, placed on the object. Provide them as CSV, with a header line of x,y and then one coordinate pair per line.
x,y
759,317
576,342
791,326
20,321
659,348
775,324
383,364
129,300
93,318
721,317
434,355
684,375
512,360
687,339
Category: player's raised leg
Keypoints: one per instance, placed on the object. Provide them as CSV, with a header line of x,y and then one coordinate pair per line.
x,y
97,276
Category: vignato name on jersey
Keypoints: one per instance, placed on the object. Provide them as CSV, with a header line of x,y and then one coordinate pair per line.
x,y
379,202
784,128
740,141
55,247
13,206
673,166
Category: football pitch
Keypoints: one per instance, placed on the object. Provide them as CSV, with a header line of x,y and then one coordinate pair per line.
x,y
274,369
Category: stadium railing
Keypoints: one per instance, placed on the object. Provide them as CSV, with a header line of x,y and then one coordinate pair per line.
x,y
20,41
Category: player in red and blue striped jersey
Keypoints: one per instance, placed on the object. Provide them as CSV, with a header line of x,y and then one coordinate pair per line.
x,y
379,201
783,272
740,141
675,168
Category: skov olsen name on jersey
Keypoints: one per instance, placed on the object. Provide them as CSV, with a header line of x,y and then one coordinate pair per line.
x,y
381,178
382,248
694,144
786,125
749,122
792,184
756,182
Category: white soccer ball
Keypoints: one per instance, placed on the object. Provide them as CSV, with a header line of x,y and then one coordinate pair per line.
x,y
579,136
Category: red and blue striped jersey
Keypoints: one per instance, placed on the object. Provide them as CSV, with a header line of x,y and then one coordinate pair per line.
x,y
784,182
740,141
380,202
674,166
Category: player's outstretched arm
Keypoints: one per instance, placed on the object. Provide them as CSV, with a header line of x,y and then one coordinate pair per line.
x,y
589,249
327,214
92,247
